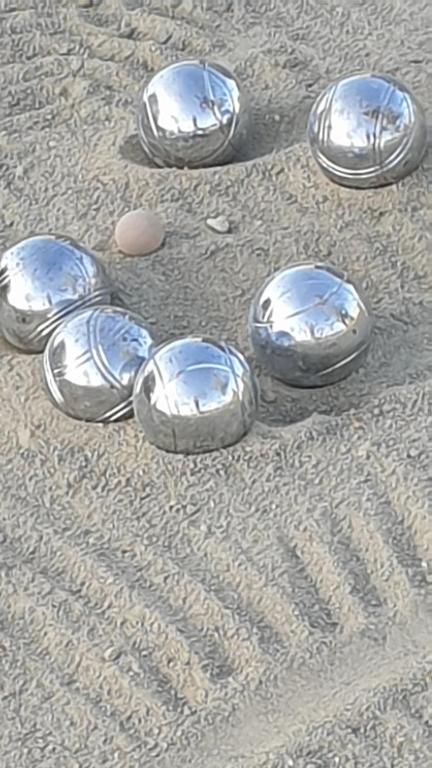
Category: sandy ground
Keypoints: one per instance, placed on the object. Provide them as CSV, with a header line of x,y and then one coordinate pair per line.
x,y
265,606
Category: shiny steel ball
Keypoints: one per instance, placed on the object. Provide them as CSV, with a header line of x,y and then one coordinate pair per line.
x,y
195,395
367,130
42,280
192,114
310,326
91,361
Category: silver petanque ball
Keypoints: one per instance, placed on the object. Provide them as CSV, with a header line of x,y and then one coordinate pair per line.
x,y
91,361
42,280
310,326
367,130
192,114
195,395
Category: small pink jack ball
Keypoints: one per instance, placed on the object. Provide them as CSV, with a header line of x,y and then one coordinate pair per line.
x,y
139,232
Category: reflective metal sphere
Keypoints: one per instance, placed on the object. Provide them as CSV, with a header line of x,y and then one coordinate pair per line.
x,y
192,114
195,395
42,280
91,361
310,326
367,130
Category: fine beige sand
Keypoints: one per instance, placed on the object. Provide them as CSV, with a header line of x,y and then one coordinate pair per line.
x,y
267,606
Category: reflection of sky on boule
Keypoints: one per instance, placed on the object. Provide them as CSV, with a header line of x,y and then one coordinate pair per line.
x,y
182,103
41,279
306,307
366,121
108,352
201,389
76,366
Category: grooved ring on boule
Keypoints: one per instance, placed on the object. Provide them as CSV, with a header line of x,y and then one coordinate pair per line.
x,y
192,114
42,280
309,325
367,130
195,395
91,361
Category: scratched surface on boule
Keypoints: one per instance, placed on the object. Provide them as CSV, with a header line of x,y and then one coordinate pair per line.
x,y
267,605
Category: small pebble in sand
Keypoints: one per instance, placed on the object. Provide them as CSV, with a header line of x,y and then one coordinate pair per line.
x,y
112,654
219,224
139,232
